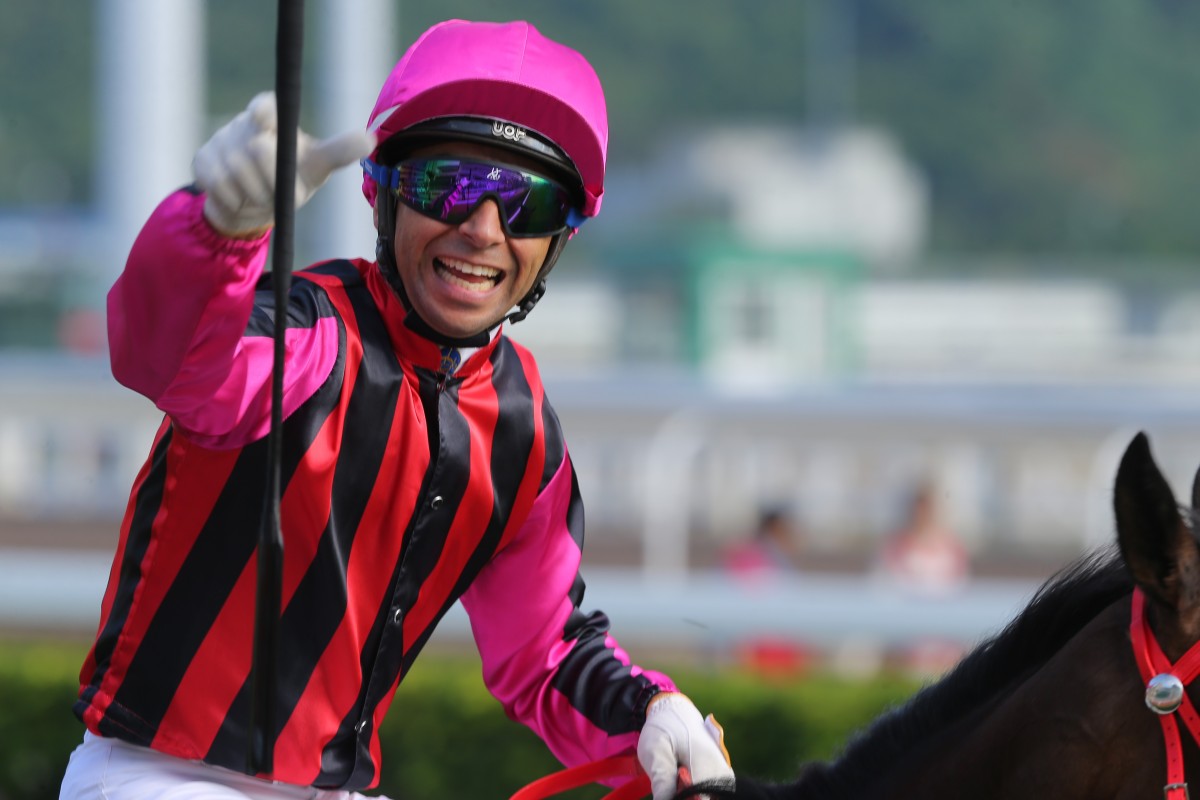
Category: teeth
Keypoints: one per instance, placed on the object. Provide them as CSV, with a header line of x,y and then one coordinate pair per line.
x,y
472,269
448,269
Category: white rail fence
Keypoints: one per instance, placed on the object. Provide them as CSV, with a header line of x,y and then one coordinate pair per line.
x,y
670,466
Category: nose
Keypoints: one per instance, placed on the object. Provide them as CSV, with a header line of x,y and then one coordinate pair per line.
x,y
483,227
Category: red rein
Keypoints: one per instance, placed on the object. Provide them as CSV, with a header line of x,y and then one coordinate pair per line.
x,y
1153,662
637,785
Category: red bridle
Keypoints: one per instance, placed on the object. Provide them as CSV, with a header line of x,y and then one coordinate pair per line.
x,y
1153,664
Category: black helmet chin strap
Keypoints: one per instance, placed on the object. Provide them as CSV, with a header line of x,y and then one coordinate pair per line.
x,y
528,302
539,286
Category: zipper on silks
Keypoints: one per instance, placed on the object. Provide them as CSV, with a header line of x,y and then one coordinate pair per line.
x,y
430,404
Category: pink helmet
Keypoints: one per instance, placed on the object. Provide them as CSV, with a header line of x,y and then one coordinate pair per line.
x,y
512,76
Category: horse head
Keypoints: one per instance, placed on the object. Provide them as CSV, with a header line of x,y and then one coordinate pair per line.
x,y
1158,543
1056,704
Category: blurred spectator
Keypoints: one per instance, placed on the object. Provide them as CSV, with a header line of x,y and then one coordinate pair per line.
x,y
774,546
923,553
772,549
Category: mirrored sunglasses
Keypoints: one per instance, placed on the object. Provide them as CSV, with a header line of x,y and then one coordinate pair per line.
x,y
450,189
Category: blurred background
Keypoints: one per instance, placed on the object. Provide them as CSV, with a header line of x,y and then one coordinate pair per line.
x,y
879,293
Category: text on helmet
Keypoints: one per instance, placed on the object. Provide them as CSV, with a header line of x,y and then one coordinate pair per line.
x,y
507,131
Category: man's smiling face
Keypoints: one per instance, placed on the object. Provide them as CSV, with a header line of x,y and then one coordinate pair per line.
x,y
462,279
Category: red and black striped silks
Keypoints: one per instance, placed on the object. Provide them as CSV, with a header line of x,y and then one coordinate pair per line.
x,y
401,487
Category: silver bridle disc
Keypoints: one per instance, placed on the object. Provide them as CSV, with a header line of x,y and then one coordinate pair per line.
x,y
1164,693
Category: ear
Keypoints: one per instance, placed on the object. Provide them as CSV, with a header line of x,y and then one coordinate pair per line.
x,y
1155,541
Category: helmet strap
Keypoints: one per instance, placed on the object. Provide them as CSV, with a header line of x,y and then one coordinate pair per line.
x,y
528,302
539,286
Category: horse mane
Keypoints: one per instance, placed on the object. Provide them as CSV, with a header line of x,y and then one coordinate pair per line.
x,y
1063,605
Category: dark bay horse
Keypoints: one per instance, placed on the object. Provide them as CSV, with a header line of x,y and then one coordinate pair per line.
x,y
1054,706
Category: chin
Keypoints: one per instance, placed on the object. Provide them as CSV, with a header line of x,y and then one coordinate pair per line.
x,y
460,329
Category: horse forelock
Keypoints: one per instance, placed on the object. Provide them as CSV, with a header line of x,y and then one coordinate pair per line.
x,y
1058,611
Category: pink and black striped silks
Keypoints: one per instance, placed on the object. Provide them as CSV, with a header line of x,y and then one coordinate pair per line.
x,y
403,492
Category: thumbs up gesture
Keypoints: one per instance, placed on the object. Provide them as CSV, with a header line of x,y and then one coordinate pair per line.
x,y
236,168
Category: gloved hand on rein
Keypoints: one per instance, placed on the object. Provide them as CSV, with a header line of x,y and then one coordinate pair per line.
x,y
236,168
674,736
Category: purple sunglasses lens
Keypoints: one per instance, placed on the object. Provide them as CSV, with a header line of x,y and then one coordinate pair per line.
x,y
450,189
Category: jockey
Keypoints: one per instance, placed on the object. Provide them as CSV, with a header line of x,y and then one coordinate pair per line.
x,y
423,464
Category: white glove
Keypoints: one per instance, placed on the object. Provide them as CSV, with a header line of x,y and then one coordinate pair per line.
x,y
236,168
676,736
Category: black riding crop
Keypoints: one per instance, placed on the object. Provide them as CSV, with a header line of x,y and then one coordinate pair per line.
x,y
289,42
